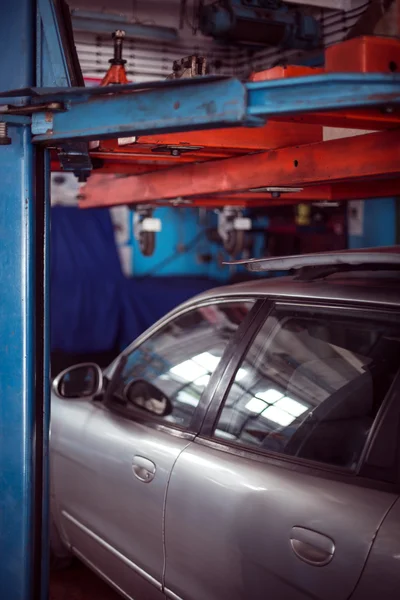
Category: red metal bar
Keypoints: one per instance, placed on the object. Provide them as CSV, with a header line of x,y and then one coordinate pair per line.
x,y
271,135
340,192
370,120
350,159
381,188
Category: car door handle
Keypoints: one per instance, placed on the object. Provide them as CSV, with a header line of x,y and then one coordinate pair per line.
x,y
143,469
312,547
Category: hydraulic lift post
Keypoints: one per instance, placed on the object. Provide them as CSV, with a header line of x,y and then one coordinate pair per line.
x,y
24,365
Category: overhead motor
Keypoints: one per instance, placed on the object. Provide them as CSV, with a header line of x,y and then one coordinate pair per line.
x,y
259,22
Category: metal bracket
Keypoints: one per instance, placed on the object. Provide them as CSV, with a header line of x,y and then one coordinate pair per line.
x,y
131,110
30,109
176,150
189,66
15,119
231,229
58,65
145,227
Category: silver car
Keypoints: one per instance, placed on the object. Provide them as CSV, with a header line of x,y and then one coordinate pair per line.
x,y
246,446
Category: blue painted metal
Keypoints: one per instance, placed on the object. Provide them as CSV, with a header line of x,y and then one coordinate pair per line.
x,y
261,22
45,379
215,102
379,225
178,246
51,64
322,92
52,70
17,315
209,104
15,119
84,93
97,22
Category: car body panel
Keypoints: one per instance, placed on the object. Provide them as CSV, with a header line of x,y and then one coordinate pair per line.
x,y
229,523
381,576
106,514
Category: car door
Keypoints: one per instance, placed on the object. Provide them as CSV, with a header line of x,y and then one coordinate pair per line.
x,y
275,498
111,462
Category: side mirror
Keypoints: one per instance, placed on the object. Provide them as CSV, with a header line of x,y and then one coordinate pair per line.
x,y
146,396
81,381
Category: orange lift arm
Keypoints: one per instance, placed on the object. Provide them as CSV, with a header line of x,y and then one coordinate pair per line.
x,y
349,159
218,168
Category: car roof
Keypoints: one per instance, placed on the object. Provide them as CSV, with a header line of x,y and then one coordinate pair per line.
x,y
369,290
367,275
339,259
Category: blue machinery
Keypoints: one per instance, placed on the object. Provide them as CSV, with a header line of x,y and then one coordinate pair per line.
x,y
264,22
40,110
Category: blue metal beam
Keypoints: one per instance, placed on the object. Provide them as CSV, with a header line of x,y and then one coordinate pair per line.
x,y
17,314
297,95
168,107
98,113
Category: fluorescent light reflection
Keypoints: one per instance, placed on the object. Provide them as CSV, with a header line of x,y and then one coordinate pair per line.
x,y
240,374
207,360
187,398
291,406
188,370
277,415
255,405
197,368
270,396
273,405
202,381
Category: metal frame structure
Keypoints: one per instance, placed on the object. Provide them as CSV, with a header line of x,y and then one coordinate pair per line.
x,y
39,116
295,155
322,163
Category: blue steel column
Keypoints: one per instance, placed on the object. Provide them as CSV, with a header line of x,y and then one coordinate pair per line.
x,y
43,350
17,314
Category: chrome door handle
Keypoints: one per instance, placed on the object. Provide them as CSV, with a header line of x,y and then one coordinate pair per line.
x,y
312,547
143,469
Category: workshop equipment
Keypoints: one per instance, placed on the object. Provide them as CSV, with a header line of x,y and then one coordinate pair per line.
x,y
232,226
145,226
116,73
261,22
40,73
189,66
336,169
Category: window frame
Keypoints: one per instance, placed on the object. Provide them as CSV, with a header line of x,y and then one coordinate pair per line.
x,y
362,475
158,423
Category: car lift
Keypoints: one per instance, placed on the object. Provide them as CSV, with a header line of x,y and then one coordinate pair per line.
x,y
41,107
293,163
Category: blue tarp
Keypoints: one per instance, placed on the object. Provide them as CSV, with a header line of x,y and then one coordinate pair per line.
x,y
94,308
150,299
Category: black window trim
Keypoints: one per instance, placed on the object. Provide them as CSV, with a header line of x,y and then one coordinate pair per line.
x,y
361,475
231,364
236,346
199,414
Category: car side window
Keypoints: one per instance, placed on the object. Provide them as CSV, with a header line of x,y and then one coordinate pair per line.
x,y
179,359
311,386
